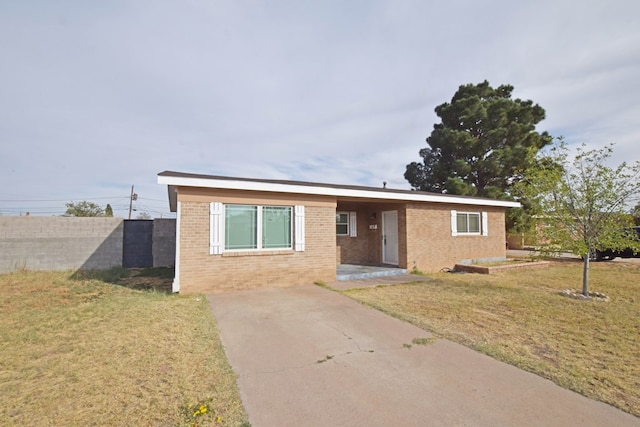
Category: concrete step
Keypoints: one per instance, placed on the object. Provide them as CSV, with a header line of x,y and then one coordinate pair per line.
x,y
356,272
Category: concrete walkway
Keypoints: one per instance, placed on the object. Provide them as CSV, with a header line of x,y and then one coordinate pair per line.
x,y
308,356
343,285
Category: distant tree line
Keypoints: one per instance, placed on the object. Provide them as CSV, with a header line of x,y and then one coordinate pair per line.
x,y
90,209
87,209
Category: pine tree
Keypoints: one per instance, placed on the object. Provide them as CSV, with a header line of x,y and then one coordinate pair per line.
x,y
485,142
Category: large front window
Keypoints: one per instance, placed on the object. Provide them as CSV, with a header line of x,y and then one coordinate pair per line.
x,y
276,227
249,227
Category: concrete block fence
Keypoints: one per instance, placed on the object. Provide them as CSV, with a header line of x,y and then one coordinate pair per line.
x,y
164,242
69,243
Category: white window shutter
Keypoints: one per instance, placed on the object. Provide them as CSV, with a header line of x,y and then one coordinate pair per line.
x,y
485,224
454,223
353,224
299,228
216,229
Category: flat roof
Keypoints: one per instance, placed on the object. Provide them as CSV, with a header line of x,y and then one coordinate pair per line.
x,y
181,179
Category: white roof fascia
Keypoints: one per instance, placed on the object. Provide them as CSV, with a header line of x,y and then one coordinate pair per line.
x,y
230,184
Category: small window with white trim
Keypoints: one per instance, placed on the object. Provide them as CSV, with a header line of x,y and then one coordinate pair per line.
x,y
469,223
347,224
342,223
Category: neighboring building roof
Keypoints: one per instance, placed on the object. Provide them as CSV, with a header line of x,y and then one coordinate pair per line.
x,y
180,179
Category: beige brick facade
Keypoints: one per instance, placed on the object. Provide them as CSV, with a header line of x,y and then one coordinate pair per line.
x,y
431,247
362,248
424,236
201,272
366,247
425,239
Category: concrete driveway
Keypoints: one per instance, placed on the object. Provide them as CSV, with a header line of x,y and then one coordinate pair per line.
x,y
308,356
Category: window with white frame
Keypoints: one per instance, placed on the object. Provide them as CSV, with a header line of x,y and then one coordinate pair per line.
x,y
342,223
248,227
469,223
346,224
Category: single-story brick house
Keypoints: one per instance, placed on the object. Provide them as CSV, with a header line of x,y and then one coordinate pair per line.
x,y
237,233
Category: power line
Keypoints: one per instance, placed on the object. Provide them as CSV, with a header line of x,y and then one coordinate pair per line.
x,y
61,200
14,205
155,200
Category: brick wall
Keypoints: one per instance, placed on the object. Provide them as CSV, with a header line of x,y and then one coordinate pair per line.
x,y
424,241
366,247
362,248
201,272
403,238
430,246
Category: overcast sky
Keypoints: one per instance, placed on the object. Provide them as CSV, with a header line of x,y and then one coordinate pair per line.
x,y
98,95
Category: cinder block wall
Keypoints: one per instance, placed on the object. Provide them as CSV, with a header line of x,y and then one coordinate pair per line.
x,y
201,272
164,242
60,243
431,247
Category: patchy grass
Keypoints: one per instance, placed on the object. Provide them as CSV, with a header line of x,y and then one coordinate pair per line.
x,y
420,341
520,318
326,359
321,284
153,279
83,350
423,341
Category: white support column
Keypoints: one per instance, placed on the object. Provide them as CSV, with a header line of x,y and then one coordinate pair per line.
x,y
175,286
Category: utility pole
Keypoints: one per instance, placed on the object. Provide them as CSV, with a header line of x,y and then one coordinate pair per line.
x,y
133,197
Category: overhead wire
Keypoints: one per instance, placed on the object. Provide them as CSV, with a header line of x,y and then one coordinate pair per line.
x,y
62,200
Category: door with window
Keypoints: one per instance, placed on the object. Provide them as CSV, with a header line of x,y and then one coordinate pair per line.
x,y
390,237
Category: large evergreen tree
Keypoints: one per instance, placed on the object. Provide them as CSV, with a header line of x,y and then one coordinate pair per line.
x,y
483,145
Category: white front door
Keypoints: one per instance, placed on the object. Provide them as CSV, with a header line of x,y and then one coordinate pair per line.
x,y
390,237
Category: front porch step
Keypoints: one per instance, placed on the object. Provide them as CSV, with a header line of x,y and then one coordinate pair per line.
x,y
356,272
